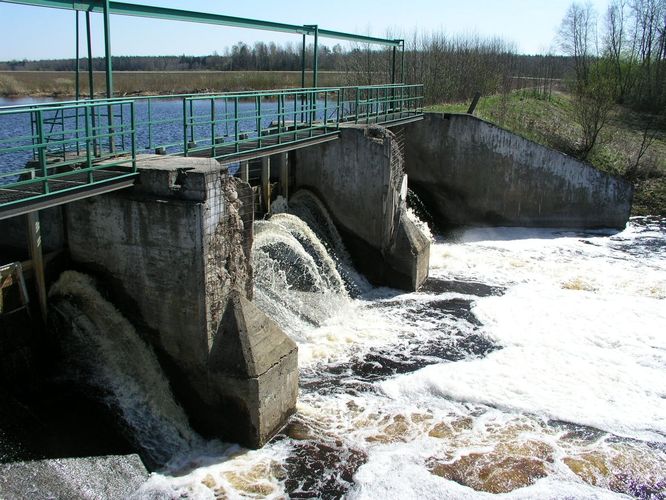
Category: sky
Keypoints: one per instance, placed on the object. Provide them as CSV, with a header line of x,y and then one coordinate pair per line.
x,y
41,33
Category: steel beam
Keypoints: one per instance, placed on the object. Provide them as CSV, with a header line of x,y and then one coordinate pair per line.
x,y
130,9
316,58
107,51
35,244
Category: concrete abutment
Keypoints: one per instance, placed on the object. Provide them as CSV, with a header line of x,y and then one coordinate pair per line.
x,y
177,246
360,179
471,172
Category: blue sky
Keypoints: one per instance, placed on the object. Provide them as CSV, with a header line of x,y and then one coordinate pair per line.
x,y
36,33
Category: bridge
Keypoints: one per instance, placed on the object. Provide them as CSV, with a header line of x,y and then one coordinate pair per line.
x,y
60,152
180,249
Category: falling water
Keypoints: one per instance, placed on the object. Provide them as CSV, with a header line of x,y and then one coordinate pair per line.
x,y
104,351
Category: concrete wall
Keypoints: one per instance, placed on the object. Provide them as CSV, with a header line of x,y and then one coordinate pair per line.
x,y
472,172
360,179
175,250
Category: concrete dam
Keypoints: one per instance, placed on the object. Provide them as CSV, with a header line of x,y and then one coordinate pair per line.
x,y
201,262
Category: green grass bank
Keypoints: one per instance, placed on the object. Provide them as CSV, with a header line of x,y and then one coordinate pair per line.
x,y
551,121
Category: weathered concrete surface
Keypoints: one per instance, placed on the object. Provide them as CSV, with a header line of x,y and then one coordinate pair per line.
x,y
360,179
73,478
174,249
257,365
472,172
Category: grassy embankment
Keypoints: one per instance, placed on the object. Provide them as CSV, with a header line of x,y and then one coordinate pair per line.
x,y
550,122
62,83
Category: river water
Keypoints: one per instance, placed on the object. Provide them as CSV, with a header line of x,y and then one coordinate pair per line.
x,y
531,365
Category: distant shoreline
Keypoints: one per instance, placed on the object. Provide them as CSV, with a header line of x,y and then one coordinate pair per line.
x,y
139,83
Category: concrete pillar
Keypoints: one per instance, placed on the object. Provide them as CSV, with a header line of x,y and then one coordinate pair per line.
x,y
245,171
36,255
175,251
266,182
360,179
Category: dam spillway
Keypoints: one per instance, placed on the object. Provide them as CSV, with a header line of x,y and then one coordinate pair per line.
x,y
353,338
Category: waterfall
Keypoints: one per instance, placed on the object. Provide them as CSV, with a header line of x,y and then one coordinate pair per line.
x,y
103,351
303,274
306,206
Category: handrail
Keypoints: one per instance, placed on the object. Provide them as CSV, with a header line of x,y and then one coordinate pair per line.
x,y
81,141
75,151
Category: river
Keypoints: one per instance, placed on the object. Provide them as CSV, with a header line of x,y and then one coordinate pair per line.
x,y
530,365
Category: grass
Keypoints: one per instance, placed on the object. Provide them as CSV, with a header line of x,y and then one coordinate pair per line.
x,y
62,83
550,121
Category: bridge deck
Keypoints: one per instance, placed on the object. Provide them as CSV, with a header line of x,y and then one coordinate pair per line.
x,y
23,199
78,149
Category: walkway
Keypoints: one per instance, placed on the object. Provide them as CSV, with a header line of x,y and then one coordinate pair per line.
x,y
59,152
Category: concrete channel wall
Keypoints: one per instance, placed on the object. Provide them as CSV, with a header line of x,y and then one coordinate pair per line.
x,y
360,179
176,248
471,172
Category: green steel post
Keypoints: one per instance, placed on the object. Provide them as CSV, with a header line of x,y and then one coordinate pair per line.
x,y
150,123
303,63
279,115
212,126
358,92
133,125
109,73
236,133
302,75
257,107
41,153
402,76
89,155
316,56
78,80
185,127
91,86
393,61
402,62
325,110
107,50
192,141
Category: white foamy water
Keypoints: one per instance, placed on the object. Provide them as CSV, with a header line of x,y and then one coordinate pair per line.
x,y
532,365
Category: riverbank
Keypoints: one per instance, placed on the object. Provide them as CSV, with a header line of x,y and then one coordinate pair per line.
x,y
63,83
618,151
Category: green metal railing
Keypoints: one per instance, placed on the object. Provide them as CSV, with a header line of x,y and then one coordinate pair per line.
x,y
65,146
70,146
226,125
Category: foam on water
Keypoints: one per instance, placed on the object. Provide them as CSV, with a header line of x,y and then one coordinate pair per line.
x,y
531,366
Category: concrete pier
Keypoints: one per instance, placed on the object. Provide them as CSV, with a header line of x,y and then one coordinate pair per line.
x,y
471,172
175,250
361,180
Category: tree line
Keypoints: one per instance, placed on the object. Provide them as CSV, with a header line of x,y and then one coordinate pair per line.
x,y
618,57
452,68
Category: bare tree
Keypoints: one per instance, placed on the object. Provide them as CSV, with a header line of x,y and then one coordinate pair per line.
x,y
577,39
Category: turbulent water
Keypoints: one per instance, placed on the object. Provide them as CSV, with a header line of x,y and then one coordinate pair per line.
x,y
530,365
103,351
